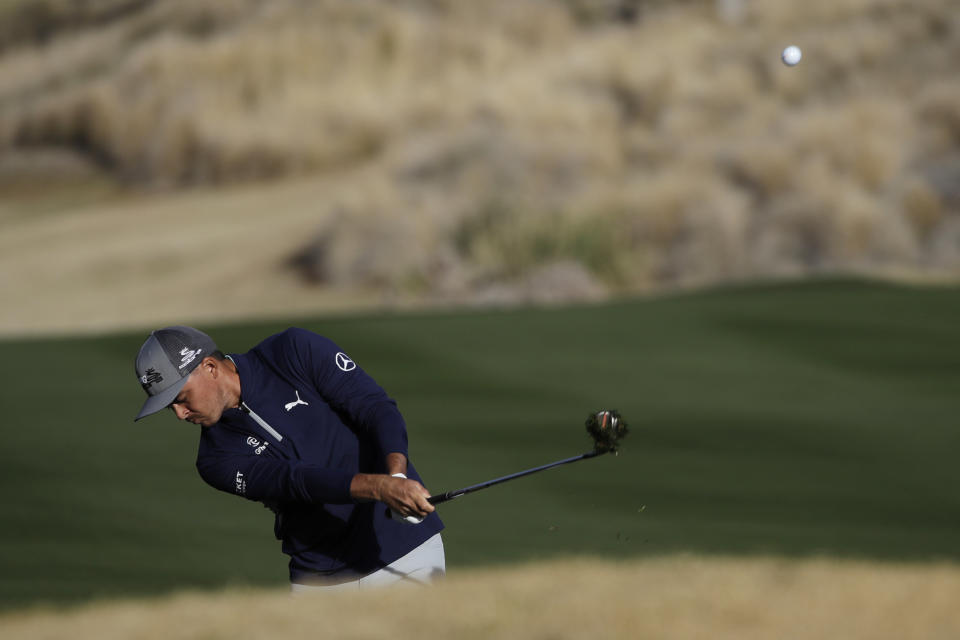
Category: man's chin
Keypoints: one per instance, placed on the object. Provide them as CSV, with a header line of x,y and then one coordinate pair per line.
x,y
208,422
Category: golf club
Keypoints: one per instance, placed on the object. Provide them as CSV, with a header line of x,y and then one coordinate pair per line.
x,y
606,428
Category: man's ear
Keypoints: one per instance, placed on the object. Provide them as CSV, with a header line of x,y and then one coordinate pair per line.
x,y
211,365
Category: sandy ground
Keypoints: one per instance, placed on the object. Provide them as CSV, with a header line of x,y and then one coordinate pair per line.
x,y
164,259
678,597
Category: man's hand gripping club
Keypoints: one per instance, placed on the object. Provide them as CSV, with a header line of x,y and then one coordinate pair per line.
x,y
406,499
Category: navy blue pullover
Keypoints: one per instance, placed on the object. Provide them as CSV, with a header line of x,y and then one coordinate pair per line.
x,y
311,419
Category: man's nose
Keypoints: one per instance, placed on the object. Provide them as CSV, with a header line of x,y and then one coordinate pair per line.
x,y
180,411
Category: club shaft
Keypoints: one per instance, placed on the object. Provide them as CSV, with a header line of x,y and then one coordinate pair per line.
x,y
450,495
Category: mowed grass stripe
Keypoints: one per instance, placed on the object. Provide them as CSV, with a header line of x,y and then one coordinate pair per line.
x,y
814,418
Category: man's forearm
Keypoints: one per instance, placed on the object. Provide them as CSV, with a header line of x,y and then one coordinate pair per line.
x,y
367,486
396,463
370,486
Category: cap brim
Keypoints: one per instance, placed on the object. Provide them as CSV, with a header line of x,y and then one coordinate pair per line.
x,y
160,401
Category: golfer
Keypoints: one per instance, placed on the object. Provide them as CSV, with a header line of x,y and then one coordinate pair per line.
x,y
294,423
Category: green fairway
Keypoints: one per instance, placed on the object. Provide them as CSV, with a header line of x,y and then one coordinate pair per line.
x,y
815,418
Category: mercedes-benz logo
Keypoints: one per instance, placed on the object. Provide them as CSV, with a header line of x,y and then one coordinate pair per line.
x,y
345,363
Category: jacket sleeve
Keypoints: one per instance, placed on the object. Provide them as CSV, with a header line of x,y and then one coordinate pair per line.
x,y
262,478
349,390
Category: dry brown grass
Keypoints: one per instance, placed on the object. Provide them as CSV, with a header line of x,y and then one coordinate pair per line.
x,y
476,145
679,597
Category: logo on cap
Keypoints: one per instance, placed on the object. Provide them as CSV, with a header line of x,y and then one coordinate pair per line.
x,y
150,378
188,356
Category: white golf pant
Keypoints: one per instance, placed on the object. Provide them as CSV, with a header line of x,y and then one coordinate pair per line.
x,y
423,565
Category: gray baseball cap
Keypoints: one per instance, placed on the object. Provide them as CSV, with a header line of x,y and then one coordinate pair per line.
x,y
165,362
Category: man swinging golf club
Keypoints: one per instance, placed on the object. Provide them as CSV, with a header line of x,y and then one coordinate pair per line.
x,y
294,423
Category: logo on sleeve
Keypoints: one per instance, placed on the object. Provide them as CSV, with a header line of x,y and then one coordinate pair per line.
x,y
345,363
241,484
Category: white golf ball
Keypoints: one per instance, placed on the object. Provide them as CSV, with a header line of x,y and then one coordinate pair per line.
x,y
791,55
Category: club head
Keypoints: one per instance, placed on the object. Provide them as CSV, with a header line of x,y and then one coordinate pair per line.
x,y
607,428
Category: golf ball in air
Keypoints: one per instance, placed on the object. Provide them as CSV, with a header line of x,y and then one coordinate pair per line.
x,y
791,55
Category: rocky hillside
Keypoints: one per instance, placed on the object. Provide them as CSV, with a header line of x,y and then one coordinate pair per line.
x,y
496,151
